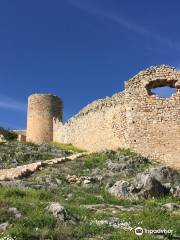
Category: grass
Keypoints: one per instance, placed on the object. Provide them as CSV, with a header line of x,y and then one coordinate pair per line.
x,y
16,153
94,160
128,152
66,147
36,223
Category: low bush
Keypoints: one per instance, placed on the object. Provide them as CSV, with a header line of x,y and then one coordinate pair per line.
x,y
8,134
66,147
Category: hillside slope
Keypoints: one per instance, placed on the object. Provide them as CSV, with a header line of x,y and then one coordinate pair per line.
x,y
104,195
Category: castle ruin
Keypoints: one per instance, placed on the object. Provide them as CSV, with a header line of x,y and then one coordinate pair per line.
x,y
42,109
134,118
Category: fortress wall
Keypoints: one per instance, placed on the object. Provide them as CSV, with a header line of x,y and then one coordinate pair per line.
x,y
100,125
135,119
154,128
153,123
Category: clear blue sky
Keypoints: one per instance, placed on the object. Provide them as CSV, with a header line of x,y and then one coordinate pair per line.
x,y
80,50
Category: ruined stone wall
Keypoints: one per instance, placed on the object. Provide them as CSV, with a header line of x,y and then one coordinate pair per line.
x,y
21,135
153,123
100,125
42,109
134,119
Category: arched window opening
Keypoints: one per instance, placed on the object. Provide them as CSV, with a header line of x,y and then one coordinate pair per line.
x,y
162,88
163,92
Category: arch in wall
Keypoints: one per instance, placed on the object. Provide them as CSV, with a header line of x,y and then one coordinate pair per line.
x,y
153,86
163,92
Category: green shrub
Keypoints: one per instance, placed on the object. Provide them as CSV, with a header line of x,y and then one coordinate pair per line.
x,y
66,147
128,152
95,160
8,134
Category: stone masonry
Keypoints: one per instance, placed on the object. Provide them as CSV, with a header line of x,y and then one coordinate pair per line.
x,y
42,108
135,118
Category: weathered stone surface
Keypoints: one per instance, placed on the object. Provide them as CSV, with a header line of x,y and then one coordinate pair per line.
x,y
135,119
175,191
125,165
121,189
13,153
61,214
171,206
147,186
165,174
156,182
42,109
26,170
4,226
15,212
19,172
113,208
78,180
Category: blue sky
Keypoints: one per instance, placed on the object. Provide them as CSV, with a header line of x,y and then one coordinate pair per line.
x,y
81,50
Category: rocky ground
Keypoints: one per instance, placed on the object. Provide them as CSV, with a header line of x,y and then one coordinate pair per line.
x,y
104,195
13,154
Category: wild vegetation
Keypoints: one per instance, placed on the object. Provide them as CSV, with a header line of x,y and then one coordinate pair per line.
x,y
81,186
13,153
8,134
64,146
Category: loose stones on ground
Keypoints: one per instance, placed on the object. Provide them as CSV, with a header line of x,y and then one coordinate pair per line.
x,y
4,226
61,214
79,180
171,206
112,208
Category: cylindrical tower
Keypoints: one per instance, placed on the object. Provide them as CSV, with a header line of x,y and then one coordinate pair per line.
x,y
42,109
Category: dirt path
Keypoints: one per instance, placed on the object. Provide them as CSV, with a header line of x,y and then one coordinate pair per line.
x,y
25,170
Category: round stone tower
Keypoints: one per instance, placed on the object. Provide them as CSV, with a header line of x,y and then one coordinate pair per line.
x,y
42,110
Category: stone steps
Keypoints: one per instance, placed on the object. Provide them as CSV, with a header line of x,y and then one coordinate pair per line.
x,y
28,169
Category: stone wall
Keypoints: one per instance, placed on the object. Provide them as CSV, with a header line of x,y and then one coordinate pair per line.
x,y
153,123
134,118
98,126
21,135
42,109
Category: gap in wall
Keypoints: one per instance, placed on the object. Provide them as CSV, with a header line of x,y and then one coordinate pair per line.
x,y
163,92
